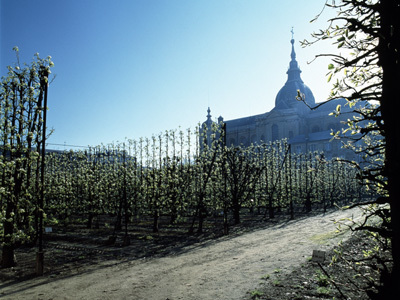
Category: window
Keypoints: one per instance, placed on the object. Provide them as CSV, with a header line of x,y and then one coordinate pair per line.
x,y
275,134
331,126
328,146
243,141
315,128
254,139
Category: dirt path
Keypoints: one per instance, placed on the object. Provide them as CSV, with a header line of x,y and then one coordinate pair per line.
x,y
223,269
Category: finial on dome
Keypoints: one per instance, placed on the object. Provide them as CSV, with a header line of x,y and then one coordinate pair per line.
x,y
293,54
208,113
294,71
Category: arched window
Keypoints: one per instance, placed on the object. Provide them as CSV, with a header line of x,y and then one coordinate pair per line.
x,y
243,141
275,134
328,146
254,139
331,126
315,128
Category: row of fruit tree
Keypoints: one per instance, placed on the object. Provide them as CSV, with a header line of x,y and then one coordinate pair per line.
x,y
174,174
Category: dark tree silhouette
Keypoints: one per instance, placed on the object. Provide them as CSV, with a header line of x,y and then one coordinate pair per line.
x,y
368,32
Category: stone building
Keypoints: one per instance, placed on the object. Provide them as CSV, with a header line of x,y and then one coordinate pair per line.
x,y
306,129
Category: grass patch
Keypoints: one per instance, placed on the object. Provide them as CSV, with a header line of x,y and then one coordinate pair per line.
x,y
266,277
324,238
276,282
256,294
323,291
276,271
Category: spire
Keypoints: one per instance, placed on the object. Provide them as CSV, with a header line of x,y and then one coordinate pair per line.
x,y
286,97
294,70
208,122
208,114
293,54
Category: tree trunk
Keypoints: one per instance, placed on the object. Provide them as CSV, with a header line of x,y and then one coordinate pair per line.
x,y
308,204
226,223
291,209
236,215
90,221
236,210
271,213
201,222
191,228
155,221
389,59
202,216
174,215
8,259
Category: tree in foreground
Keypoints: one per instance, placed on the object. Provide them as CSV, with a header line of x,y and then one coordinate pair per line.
x,y
22,108
367,72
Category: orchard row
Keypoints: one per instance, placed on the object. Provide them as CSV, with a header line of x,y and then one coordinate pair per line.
x,y
181,175
171,175
174,175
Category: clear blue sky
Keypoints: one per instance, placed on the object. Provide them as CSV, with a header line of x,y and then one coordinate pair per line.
x,y
130,69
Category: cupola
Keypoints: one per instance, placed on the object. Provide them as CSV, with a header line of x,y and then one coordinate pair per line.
x,y
286,97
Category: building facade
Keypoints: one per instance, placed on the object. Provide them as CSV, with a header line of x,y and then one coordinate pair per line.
x,y
306,129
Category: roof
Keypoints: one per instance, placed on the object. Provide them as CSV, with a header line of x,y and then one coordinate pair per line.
x,y
331,105
242,122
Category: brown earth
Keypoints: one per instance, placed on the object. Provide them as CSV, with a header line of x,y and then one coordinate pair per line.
x,y
227,267
349,277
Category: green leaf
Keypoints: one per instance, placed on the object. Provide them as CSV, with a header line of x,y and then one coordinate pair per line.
x,y
329,77
331,66
341,39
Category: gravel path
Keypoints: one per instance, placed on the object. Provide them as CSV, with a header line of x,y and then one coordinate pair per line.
x,y
226,268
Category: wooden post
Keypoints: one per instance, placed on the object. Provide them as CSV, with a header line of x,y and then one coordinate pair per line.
x,y
40,253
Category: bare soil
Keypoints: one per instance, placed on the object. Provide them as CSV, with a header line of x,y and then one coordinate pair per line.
x,y
349,277
171,267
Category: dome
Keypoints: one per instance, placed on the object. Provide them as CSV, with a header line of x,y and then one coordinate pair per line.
x,y
286,97
208,122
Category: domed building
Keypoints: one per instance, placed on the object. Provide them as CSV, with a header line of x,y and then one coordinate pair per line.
x,y
305,129
286,97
